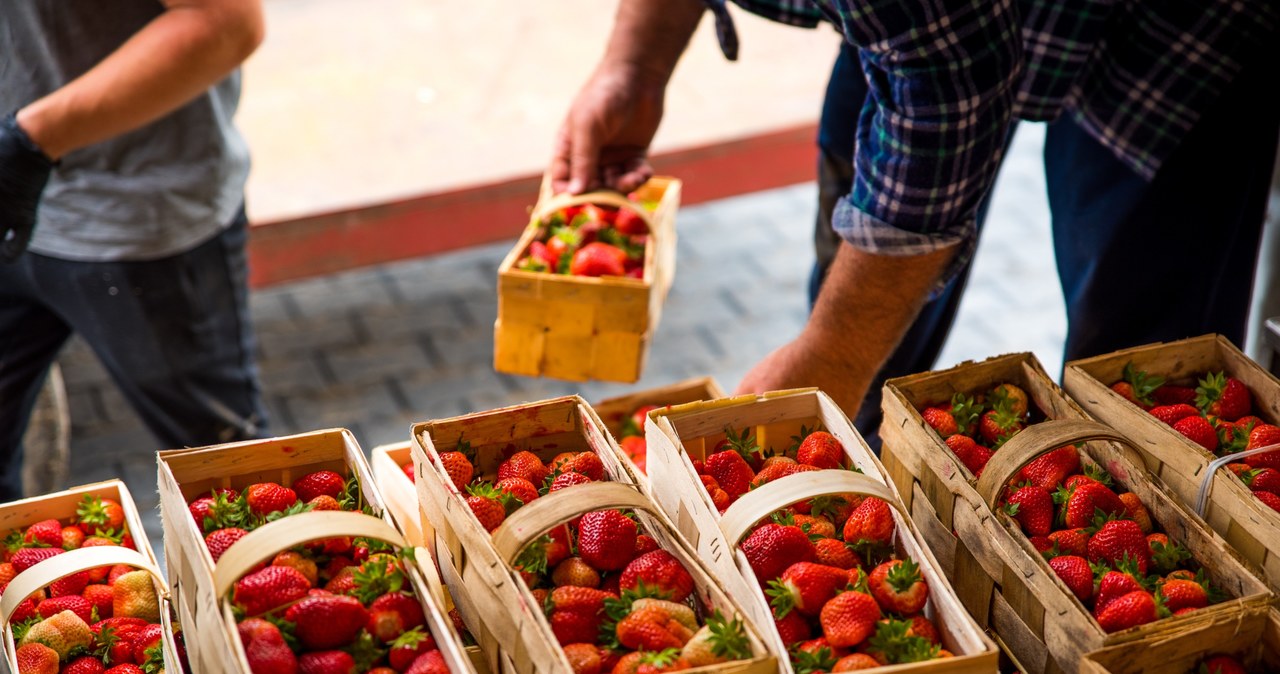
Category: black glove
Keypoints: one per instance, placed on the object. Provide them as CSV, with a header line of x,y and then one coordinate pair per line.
x,y
24,171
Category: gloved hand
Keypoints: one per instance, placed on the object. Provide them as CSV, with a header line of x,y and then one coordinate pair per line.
x,y
24,172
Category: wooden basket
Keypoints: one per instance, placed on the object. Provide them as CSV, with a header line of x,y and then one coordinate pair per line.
x,y
62,506
580,328
185,474
678,435
614,412
1246,523
263,543
1001,578
1253,636
494,600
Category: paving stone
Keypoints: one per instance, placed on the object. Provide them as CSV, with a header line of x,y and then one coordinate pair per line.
x,y
377,361
289,338
340,406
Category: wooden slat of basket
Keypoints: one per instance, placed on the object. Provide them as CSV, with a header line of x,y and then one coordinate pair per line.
x,y
1253,636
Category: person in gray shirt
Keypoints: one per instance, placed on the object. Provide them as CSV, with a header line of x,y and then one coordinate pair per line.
x,y
122,211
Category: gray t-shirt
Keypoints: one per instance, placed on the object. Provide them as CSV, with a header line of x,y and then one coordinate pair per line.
x,y
154,192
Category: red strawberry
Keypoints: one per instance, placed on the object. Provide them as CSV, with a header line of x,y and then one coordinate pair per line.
x,y
72,538
525,465
408,646
1134,510
25,558
324,622
487,504
821,449
941,420
636,449
1221,664
519,488
833,552
458,467
1170,414
574,571
36,658
404,605
147,637
408,472
1084,501
1133,609
1032,507
95,513
849,618
1179,594
645,543
606,539
319,483
1174,395
566,480
1222,396
658,570
265,498
771,548
1118,539
806,587
1264,435
69,585
652,628
793,627
326,662
102,597
218,541
1076,573
731,472
1115,584
598,259
999,423
1199,431
586,463
269,588
1070,541
1271,500
431,662
776,471
46,532
74,603
628,222
85,664
1248,423
577,613
971,454
898,586
1050,470
870,524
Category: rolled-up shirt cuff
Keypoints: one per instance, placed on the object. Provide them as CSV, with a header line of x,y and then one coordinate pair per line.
x,y
872,235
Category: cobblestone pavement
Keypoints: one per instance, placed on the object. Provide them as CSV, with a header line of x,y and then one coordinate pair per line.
x,y
375,350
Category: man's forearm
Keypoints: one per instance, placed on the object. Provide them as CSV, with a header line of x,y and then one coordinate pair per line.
x,y
650,35
181,53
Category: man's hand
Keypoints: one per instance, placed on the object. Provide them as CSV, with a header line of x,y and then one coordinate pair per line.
x,y
24,171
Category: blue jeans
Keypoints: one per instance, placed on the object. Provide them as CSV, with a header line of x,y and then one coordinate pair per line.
x,y
174,334
1139,262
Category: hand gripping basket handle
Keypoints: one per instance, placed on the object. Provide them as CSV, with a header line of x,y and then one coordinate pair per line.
x,y
544,513
1035,441
756,504
264,542
65,564
552,204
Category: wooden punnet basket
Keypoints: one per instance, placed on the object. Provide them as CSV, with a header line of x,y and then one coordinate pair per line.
x,y
678,435
493,599
1004,582
580,328
62,506
616,412
1249,526
1252,636
185,474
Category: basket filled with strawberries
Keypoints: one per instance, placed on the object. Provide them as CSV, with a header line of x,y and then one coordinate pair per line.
x,y
580,294
1247,643
1057,537
78,593
782,495
624,416
1191,405
552,551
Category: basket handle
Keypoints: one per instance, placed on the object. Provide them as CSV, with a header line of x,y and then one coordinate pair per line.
x,y
264,542
544,513
609,198
430,575
67,563
756,504
1035,441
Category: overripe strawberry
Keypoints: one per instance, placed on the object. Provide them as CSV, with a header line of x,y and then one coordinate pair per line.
x,y
771,548
805,587
36,658
1076,573
940,420
319,483
658,570
1199,431
458,466
265,498
822,450
731,472
95,513
898,586
849,618
606,539
265,648
1032,507
870,525
1118,539
525,465
1222,396
324,622
971,454
1082,503
1133,609
1050,470
269,588
218,541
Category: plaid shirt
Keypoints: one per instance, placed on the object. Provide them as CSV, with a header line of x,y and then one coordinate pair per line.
x,y
948,77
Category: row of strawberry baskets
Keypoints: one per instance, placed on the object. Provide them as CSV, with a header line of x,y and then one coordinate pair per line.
x,y
1008,525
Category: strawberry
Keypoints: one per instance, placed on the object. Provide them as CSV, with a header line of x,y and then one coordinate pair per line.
x,y
100,597
1014,397
577,618
657,570
1179,594
816,527
45,532
146,639
1000,422
1071,541
431,662
833,552
96,513
583,658
265,498
636,449
574,571
793,627
218,541
74,603
1117,539
898,586
1165,554
652,628
585,463
870,525
1270,500
1171,414
1221,664
731,472
1133,609
606,539
822,450
409,473
302,563
719,640
1170,394
326,662
1075,573
519,488
525,465
1248,423
776,471
64,632
1199,431
849,618
36,658
265,648
72,538
487,504
85,664
966,411
941,420
319,483
771,548
458,466
1222,396
324,622
566,480
1049,470
1115,584
656,662
69,585
1137,386
269,588
598,259
1134,510
134,596
805,586
26,558
855,662
408,647
1032,507
1264,435
971,454
1081,504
